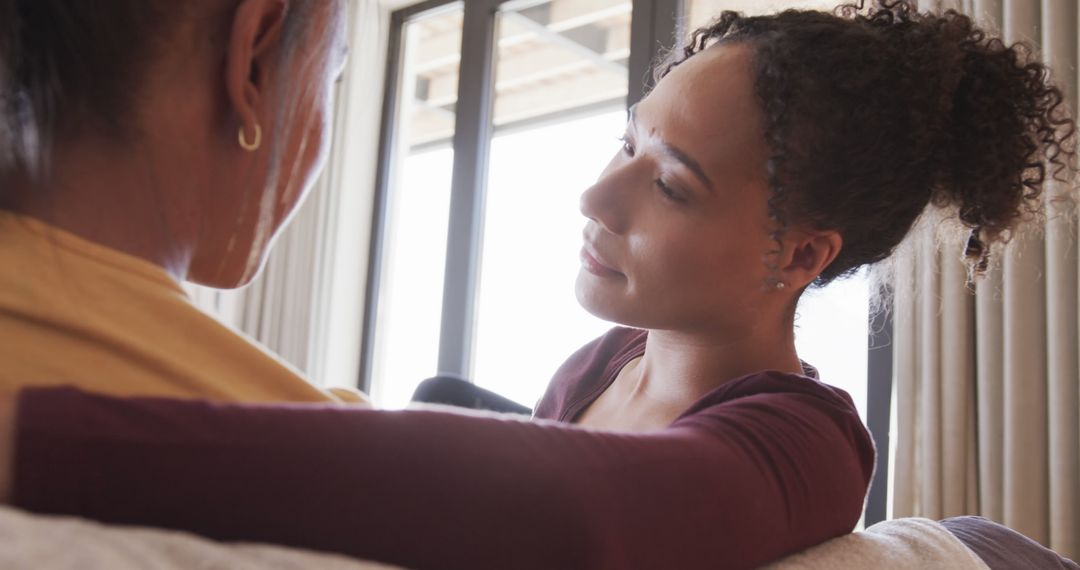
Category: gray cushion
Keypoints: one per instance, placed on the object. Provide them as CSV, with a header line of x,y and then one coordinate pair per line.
x,y
1002,548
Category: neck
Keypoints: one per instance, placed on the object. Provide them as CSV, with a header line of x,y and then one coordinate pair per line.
x,y
100,194
680,367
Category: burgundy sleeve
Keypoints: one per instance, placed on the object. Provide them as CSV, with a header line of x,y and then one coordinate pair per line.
x,y
732,486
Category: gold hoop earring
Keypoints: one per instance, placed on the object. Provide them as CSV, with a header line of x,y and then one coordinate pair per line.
x,y
253,145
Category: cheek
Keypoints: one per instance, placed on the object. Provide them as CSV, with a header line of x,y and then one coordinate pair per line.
x,y
322,132
317,148
702,266
309,155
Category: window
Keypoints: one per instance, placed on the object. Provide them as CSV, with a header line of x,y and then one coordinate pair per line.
x,y
700,12
560,100
502,113
410,283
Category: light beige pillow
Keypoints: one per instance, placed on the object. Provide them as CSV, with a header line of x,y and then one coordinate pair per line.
x,y
62,543
901,544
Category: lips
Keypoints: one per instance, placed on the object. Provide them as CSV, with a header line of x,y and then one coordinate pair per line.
x,y
595,264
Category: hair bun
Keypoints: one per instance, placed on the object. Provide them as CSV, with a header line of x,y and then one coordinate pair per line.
x,y
1006,123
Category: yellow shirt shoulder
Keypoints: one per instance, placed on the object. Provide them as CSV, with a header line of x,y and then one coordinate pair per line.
x,y
73,312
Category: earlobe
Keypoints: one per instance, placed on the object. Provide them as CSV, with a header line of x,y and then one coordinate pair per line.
x,y
255,32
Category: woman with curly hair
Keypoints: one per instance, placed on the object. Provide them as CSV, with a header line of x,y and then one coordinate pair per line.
x,y
776,153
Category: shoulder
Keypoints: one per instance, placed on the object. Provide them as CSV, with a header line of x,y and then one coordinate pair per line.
x,y
782,389
800,439
586,369
773,414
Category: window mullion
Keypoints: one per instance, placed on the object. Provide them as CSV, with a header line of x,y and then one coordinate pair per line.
x,y
472,139
379,207
655,26
879,383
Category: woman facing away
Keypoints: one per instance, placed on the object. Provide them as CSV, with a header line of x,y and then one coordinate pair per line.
x,y
144,143
775,153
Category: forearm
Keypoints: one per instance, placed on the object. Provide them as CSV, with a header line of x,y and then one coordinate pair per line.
x,y
420,489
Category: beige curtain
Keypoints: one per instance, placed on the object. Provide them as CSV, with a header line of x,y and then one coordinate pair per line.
x,y
988,380
307,304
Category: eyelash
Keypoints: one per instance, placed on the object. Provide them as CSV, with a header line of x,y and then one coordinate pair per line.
x,y
628,150
668,192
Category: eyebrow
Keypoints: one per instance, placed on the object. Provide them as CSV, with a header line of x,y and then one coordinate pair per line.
x,y
674,152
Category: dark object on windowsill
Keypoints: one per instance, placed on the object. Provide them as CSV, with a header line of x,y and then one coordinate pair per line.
x,y
453,391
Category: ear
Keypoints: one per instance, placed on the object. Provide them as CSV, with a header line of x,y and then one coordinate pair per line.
x,y
806,254
256,30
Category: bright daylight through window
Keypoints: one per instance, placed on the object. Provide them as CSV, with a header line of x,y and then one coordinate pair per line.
x,y
414,240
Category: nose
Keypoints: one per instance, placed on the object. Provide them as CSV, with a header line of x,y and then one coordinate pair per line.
x,y
608,202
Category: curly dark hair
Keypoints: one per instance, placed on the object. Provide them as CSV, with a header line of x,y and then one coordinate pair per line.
x,y
873,113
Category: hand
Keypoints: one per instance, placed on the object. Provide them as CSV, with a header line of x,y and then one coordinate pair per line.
x,y
7,445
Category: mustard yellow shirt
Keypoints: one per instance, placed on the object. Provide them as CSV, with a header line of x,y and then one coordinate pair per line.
x,y
73,312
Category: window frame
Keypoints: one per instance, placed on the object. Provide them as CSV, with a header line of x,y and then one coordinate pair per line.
x,y
653,24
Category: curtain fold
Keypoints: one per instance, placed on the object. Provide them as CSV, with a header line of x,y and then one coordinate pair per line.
x,y
1060,24
988,378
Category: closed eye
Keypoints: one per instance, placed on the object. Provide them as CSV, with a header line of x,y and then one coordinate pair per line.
x,y
668,192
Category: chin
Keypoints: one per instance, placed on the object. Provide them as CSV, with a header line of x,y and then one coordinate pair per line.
x,y
232,272
251,270
615,304
222,281
599,303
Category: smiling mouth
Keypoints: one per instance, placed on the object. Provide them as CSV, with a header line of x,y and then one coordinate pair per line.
x,y
594,266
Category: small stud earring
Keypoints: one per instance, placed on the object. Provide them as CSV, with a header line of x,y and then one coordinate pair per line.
x,y
253,145
780,284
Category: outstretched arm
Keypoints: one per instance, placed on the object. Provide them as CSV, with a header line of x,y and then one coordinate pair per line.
x,y
730,486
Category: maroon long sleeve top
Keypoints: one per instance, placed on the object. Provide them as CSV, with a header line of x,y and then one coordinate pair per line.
x,y
763,466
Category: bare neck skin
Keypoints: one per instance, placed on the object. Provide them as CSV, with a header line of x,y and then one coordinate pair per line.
x,y
138,207
678,368
156,192
141,195
683,367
